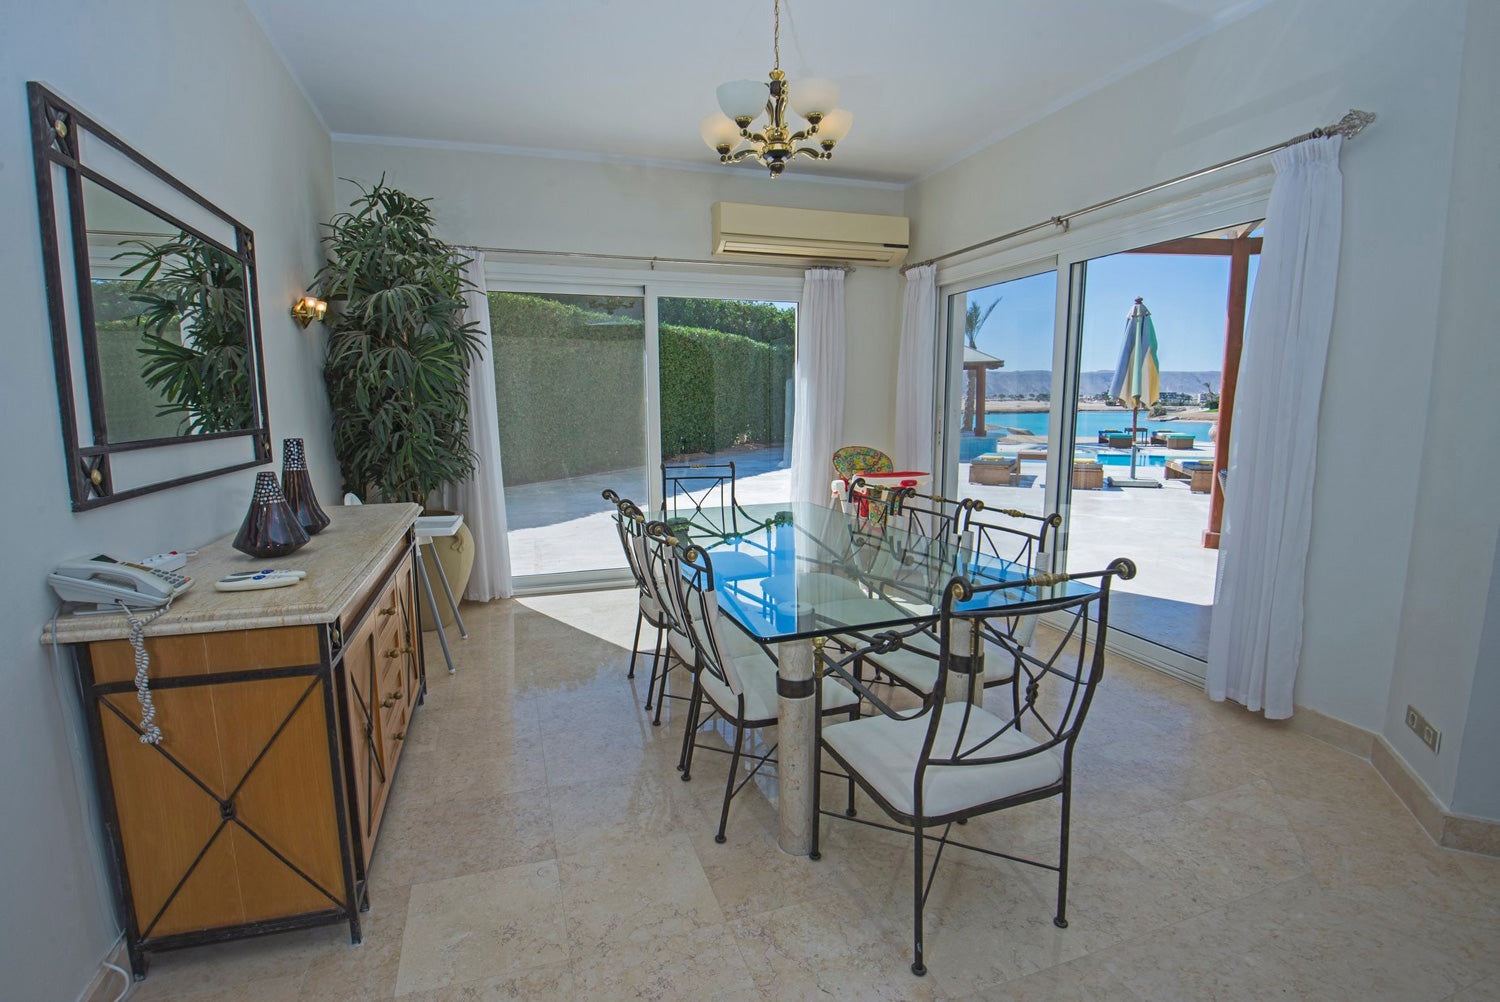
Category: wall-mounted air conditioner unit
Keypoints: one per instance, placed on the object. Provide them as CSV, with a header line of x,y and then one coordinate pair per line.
x,y
809,236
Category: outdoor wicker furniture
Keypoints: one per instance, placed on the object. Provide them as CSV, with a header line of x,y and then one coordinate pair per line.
x,y
1173,440
1088,475
1199,473
995,470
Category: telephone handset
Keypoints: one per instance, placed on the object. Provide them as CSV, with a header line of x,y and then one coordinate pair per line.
x,y
107,581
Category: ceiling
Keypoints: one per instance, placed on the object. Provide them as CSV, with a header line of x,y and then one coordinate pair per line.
x,y
927,83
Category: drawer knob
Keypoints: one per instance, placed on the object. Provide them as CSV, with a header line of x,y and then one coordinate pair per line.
x,y
395,695
388,612
400,735
396,652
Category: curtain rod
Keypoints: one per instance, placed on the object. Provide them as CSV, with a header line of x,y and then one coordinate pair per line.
x,y
652,259
1349,126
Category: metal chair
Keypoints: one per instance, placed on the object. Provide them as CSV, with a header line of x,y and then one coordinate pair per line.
x,y
736,675
930,515
630,523
1020,545
688,488
951,759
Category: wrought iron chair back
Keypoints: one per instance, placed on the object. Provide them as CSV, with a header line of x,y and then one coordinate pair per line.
x,y
630,524
1021,538
687,489
1075,665
694,584
929,515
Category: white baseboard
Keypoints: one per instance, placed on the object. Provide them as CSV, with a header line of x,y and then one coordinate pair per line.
x,y
1447,829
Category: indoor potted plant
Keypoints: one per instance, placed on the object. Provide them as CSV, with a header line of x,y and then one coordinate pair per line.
x,y
398,360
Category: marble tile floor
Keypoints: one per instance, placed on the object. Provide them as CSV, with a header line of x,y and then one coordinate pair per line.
x,y
539,845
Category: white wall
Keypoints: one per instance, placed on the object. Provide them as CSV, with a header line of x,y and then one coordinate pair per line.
x,y
1448,581
500,200
196,87
1477,789
1280,71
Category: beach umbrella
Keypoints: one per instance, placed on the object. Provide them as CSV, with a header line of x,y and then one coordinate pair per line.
x,y
1138,376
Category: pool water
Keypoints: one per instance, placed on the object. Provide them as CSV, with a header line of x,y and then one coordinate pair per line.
x,y
1123,459
1091,423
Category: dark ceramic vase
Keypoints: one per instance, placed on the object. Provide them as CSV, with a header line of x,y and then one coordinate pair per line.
x,y
296,484
270,528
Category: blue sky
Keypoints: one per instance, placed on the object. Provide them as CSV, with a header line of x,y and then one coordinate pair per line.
x,y
1185,295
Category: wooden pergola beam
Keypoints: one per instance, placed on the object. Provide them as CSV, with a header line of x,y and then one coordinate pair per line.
x,y
1234,339
1201,246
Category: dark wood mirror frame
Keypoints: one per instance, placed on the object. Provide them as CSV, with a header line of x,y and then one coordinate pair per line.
x,y
55,129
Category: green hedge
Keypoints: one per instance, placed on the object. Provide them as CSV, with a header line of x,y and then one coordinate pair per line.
x,y
569,383
765,322
130,405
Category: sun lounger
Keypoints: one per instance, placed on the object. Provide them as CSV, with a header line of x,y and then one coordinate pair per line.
x,y
1088,475
995,470
1199,473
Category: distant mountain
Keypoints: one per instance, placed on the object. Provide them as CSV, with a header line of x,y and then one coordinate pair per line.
x,y
1029,382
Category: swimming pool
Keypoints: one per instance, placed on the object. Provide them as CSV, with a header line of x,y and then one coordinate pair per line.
x,y
1091,423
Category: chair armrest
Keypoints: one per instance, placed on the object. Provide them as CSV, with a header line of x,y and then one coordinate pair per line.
x,y
880,643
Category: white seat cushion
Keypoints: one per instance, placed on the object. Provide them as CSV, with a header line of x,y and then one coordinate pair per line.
x,y
650,608
757,673
885,752
733,643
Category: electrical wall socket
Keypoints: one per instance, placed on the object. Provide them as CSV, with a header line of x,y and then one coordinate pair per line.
x,y
1431,736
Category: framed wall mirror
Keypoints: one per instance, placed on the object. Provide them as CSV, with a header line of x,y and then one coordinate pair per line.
x,y
153,314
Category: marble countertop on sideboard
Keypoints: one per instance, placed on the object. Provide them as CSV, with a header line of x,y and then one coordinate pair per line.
x,y
340,561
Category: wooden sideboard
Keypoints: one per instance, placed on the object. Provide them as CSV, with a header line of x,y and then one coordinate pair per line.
x,y
283,714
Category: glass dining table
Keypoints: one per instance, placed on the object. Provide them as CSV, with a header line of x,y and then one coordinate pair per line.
x,y
790,574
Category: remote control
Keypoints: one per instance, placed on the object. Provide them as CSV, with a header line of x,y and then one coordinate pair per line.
x,y
241,575
255,581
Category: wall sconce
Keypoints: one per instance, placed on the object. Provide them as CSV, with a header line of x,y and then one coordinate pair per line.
x,y
307,309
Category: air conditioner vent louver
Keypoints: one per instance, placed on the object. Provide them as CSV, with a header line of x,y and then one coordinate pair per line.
x,y
770,232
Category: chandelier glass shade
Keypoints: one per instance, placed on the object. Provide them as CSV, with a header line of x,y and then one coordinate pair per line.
x,y
736,132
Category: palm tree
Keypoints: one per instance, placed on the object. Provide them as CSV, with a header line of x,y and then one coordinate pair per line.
x,y
974,318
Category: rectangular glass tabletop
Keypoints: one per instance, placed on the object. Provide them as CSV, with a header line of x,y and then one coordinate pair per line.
x,y
794,571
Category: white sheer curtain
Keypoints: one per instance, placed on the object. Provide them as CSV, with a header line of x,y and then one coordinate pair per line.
x,y
818,411
915,372
1255,643
481,498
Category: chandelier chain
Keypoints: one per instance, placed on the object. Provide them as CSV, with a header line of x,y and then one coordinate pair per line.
x,y
776,35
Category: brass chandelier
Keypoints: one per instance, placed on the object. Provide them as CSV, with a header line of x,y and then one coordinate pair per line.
x,y
776,143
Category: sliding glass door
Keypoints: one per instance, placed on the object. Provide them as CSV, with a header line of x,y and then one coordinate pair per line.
x,y
725,391
999,392
601,379
571,387
1039,417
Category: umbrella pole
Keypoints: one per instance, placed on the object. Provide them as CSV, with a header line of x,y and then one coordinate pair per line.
x,y
1133,410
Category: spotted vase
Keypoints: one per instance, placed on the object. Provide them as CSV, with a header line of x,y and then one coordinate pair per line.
x,y
296,484
270,528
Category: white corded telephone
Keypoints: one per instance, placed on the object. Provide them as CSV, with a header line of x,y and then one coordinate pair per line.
x,y
107,581
115,584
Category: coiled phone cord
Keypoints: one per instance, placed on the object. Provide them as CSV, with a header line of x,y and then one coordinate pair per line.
x,y
150,732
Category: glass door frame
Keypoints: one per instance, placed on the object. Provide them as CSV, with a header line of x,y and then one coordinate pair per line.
x,y
1193,210
652,284
948,420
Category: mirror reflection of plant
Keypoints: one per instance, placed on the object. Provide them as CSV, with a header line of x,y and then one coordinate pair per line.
x,y
398,348
196,291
